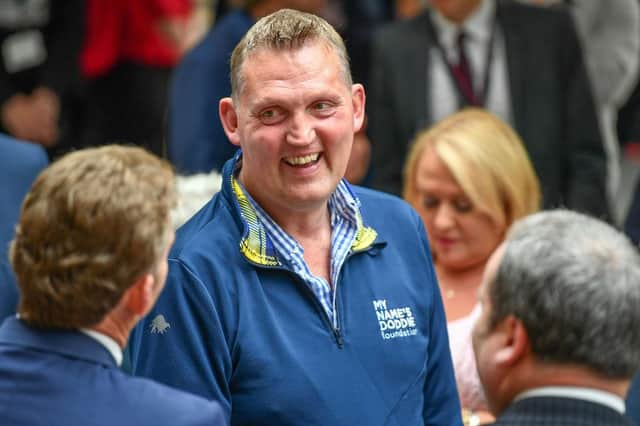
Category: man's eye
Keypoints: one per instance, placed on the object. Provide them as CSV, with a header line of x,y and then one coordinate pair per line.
x,y
323,108
270,116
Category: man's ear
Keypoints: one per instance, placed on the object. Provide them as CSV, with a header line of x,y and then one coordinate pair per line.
x,y
139,298
358,99
229,119
514,344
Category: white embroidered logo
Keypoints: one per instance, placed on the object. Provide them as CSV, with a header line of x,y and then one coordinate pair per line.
x,y
394,322
159,325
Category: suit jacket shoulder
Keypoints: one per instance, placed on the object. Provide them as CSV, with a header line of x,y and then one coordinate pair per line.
x,y
543,411
59,377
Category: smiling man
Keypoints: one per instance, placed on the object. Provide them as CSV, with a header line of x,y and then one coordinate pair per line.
x,y
294,297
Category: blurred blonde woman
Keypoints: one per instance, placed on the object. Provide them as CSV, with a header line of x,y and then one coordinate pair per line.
x,y
469,178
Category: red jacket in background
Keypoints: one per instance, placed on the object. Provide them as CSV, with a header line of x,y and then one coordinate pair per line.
x,y
130,30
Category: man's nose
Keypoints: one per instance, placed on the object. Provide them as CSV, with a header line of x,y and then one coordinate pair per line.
x,y
301,130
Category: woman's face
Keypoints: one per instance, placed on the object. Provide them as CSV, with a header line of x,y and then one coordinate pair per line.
x,y
460,235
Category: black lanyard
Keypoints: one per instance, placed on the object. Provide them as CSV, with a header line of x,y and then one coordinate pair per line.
x,y
481,94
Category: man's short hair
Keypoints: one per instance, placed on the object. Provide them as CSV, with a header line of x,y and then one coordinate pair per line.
x,y
286,29
94,221
574,282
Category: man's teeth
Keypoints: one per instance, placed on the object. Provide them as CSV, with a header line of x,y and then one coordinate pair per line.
x,y
305,159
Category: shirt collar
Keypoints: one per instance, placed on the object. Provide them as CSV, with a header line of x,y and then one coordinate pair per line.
x,y
110,345
342,204
588,394
258,247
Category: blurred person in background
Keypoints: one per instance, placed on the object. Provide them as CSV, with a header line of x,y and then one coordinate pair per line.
x,y
609,34
521,62
129,52
40,42
469,178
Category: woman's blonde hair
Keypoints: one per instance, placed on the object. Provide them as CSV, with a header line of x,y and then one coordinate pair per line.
x,y
487,159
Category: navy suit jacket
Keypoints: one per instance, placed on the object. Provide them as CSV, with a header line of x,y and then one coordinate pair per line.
x,y
554,411
63,378
551,101
633,400
20,163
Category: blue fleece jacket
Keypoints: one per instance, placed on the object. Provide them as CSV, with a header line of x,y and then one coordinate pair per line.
x,y
234,325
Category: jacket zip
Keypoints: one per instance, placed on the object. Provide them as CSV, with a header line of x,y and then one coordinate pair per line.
x,y
335,329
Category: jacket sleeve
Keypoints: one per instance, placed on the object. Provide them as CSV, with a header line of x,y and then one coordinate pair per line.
x,y
587,168
182,342
441,401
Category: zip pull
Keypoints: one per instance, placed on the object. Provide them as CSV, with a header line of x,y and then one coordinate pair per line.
x,y
338,336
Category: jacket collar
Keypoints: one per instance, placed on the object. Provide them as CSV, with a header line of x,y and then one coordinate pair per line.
x,y
69,343
255,244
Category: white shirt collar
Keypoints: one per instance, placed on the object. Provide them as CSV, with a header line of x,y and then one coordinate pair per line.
x,y
588,394
478,26
110,345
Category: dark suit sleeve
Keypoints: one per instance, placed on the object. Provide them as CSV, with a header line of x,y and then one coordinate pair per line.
x,y
388,150
586,187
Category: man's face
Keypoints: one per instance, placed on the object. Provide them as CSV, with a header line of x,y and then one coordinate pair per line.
x,y
487,342
294,120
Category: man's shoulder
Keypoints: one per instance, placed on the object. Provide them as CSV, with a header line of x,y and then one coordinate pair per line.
x,y
388,214
553,410
374,202
21,154
94,389
167,405
212,228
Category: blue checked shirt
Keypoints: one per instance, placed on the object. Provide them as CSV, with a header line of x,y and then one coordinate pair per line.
x,y
343,208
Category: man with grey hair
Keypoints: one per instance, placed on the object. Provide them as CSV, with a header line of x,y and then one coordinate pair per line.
x,y
291,298
559,337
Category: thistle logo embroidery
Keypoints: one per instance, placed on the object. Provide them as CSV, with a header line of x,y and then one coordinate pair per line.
x,y
159,325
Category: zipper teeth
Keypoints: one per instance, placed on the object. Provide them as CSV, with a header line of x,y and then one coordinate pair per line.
x,y
333,325
316,302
